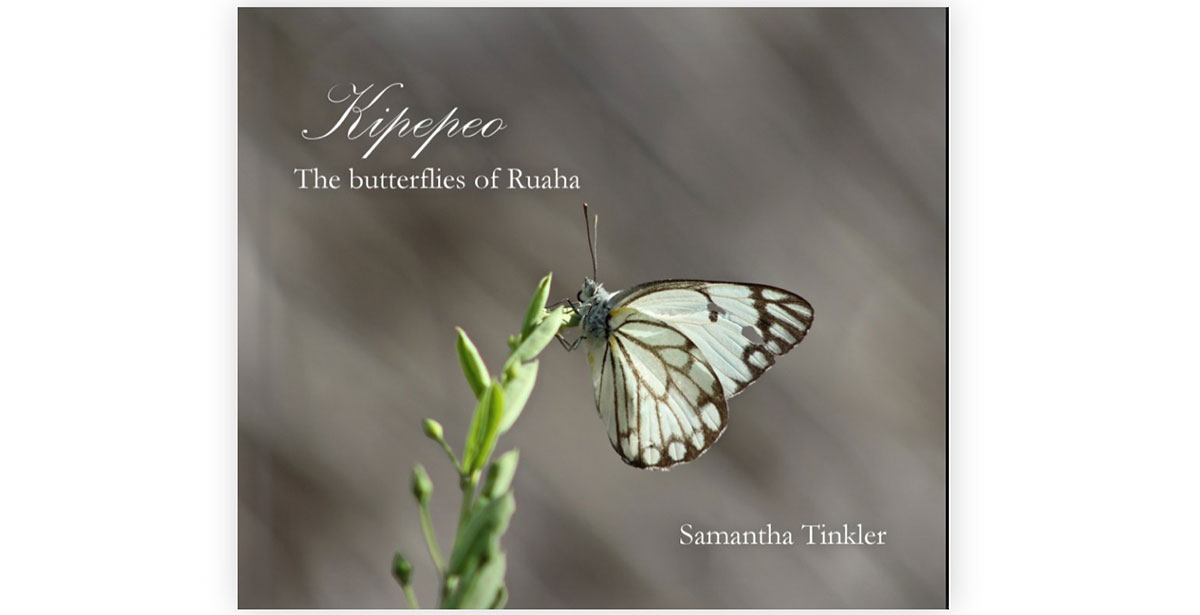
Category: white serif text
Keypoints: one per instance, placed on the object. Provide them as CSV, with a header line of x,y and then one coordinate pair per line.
x,y
367,112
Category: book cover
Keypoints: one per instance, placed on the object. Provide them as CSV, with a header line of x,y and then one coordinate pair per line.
x,y
406,174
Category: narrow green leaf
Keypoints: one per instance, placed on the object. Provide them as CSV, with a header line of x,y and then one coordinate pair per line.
x,y
537,306
541,335
500,475
517,389
479,423
480,589
485,428
484,527
472,364
491,432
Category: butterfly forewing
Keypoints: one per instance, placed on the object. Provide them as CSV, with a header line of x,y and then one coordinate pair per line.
x,y
739,328
660,400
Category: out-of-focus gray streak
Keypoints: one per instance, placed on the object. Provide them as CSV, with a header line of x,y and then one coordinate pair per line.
x,y
802,148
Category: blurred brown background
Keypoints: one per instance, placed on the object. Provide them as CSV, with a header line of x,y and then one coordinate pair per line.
x,y
803,148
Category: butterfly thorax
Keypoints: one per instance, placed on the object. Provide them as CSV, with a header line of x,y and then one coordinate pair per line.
x,y
595,304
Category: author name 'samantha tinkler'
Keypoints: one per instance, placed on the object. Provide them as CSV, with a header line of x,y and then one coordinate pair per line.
x,y
820,534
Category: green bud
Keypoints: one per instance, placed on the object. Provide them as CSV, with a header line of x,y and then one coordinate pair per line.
x,y
422,487
537,306
401,569
433,429
472,364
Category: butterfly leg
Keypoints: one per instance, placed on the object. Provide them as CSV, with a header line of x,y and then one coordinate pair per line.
x,y
562,340
568,346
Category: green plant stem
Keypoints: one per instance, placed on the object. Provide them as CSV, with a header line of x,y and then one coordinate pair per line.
x,y
410,596
451,455
468,491
430,538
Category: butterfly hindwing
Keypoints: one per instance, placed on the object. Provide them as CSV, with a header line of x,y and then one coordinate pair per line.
x,y
739,328
660,400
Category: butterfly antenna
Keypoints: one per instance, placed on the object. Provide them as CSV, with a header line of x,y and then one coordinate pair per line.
x,y
596,242
591,230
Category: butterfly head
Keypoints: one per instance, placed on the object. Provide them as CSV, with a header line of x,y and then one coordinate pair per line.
x,y
592,292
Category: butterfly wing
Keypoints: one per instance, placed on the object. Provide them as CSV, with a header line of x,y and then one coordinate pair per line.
x,y
660,400
739,328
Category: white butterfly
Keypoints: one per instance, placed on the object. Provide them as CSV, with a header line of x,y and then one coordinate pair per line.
x,y
665,356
